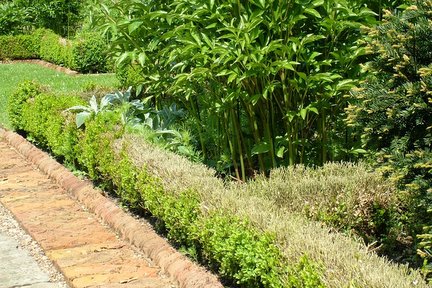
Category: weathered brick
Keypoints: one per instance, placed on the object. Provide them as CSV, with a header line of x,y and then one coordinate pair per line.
x,y
87,252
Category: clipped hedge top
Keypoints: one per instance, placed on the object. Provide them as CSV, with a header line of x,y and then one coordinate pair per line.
x,y
346,260
168,185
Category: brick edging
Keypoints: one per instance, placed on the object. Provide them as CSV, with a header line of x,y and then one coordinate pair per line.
x,y
179,268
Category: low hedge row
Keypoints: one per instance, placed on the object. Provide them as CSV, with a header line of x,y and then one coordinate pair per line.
x,y
86,53
241,254
55,49
19,47
252,240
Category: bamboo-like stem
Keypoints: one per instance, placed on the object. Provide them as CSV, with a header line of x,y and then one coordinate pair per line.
x,y
267,132
252,120
237,137
231,146
323,137
199,124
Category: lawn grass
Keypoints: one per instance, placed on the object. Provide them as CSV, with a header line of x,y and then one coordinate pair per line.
x,y
11,74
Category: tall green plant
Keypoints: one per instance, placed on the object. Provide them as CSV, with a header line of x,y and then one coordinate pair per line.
x,y
61,16
266,77
13,19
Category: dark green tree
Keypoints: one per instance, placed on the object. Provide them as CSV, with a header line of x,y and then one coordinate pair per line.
x,y
61,16
393,109
13,19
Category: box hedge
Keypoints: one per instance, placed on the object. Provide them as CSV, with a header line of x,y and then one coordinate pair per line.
x,y
233,230
19,47
86,53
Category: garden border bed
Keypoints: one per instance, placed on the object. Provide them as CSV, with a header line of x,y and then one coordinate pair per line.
x,y
182,270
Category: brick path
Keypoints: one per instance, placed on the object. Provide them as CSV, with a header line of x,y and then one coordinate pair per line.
x,y
87,252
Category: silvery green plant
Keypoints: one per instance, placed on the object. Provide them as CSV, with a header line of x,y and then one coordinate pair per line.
x,y
85,112
133,111
129,108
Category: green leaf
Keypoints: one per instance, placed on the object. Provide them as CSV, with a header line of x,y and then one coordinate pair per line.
x,y
142,58
317,3
207,40
196,37
93,104
223,73
310,38
255,98
232,77
291,115
314,55
184,150
134,25
285,64
303,113
173,133
280,152
213,25
78,107
261,148
302,75
312,12
81,117
139,89
123,57
313,109
345,84
180,64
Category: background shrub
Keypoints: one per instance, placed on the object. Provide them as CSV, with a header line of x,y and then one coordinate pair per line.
x,y
56,49
90,53
19,47
86,53
61,16
13,19
394,108
263,81
25,91
130,76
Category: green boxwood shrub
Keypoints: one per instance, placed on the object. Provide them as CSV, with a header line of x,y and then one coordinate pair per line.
x,y
100,131
41,116
25,91
50,126
19,47
56,49
90,53
240,253
86,53
227,237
